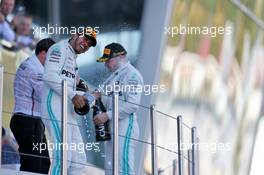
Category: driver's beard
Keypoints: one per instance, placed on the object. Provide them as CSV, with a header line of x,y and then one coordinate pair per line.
x,y
119,64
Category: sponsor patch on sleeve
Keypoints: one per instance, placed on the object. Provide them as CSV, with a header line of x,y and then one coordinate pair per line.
x,y
55,54
134,84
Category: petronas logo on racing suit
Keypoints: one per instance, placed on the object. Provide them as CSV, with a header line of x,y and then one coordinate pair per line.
x,y
68,74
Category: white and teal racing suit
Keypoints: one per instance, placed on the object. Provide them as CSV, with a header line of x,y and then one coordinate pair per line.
x,y
61,64
125,81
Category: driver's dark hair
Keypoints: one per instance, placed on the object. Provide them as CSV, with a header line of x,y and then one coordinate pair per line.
x,y
73,36
44,45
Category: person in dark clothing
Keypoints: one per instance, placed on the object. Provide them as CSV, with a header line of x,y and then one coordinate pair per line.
x,y
26,123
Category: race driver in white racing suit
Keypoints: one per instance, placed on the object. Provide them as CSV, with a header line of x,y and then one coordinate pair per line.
x,y
128,79
61,64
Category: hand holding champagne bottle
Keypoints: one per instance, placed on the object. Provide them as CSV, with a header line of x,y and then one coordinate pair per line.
x,y
101,130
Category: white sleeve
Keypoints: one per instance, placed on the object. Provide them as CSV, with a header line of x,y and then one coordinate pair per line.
x,y
35,80
55,59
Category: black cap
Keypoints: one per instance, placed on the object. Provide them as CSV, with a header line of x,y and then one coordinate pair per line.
x,y
112,50
91,35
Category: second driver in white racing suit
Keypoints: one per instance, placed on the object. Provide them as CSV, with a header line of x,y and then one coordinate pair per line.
x,y
61,65
124,80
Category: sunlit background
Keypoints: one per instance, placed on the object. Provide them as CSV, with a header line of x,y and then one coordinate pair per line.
x,y
217,83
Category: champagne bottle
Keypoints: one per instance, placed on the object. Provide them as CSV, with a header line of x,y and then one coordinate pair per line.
x,y
102,132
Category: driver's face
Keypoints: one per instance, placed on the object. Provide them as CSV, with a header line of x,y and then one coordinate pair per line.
x,y
112,64
82,44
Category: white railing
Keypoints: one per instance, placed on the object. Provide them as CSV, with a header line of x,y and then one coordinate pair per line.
x,y
177,164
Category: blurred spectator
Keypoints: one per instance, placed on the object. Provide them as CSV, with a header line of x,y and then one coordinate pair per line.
x,y
23,28
6,32
6,7
10,156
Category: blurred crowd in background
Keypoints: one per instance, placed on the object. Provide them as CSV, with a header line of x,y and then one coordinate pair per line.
x,y
15,33
15,26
